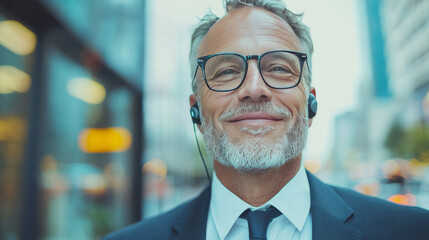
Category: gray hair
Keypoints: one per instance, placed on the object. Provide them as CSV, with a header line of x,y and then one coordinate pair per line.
x,y
277,7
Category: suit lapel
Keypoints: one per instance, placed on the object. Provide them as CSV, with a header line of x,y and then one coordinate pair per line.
x,y
330,213
191,222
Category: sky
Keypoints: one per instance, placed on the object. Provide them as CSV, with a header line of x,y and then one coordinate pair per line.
x,y
338,59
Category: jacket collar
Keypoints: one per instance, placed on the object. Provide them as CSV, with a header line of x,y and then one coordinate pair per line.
x,y
191,221
330,213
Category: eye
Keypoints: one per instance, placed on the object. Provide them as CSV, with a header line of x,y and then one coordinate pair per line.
x,y
226,72
280,69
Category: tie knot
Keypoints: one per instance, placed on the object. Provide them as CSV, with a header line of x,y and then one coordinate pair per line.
x,y
258,221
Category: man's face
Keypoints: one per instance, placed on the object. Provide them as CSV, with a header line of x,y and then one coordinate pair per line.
x,y
254,119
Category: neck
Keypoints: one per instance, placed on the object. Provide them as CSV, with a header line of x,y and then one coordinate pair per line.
x,y
256,188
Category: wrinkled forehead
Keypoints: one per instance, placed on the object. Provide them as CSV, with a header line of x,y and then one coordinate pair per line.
x,y
251,28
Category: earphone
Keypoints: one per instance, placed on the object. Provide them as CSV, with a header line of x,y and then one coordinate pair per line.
x,y
312,109
312,106
195,114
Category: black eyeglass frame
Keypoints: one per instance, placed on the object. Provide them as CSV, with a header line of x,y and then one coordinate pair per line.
x,y
201,61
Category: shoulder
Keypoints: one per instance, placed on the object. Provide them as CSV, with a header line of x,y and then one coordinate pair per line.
x,y
361,202
151,228
361,205
160,226
378,216
373,217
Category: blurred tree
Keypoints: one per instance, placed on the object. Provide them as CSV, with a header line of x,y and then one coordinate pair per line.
x,y
412,142
101,219
394,139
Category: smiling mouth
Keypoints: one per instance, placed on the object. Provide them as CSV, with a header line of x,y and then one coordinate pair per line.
x,y
255,119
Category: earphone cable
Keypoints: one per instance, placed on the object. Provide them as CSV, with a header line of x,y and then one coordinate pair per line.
x,y
201,155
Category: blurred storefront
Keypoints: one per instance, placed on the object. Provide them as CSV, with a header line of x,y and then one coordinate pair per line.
x,y
70,117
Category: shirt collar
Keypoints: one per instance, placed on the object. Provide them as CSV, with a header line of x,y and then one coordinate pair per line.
x,y
293,201
225,207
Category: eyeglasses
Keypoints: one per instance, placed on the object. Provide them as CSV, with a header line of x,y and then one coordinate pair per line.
x,y
280,69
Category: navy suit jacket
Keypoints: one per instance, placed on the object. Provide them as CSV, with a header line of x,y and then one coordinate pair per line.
x,y
337,213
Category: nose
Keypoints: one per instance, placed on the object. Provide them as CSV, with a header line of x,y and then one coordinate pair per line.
x,y
254,87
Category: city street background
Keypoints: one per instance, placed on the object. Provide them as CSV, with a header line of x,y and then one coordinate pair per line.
x,y
95,131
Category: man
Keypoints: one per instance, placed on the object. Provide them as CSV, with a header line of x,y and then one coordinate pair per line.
x,y
252,86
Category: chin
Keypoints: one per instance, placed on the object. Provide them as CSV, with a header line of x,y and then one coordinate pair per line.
x,y
258,131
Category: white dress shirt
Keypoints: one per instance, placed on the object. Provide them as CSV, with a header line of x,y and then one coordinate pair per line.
x,y
293,201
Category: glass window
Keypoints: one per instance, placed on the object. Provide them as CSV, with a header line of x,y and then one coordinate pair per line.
x,y
87,130
114,27
16,55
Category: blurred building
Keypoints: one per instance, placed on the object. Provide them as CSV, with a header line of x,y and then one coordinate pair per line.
x,y
71,82
406,30
394,100
349,141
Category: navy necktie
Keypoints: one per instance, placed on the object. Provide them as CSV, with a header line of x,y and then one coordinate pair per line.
x,y
258,222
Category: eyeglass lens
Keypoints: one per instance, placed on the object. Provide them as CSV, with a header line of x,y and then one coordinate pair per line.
x,y
227,71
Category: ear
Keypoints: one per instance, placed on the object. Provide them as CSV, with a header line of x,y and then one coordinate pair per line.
x,y
192,101
312,91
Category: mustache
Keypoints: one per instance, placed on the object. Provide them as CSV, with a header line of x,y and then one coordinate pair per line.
x,y
248,107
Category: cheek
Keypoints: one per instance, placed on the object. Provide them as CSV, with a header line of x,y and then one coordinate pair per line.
x,y
302,96
213,105
294,100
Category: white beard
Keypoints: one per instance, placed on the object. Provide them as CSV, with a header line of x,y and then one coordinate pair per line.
x,y
256,153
